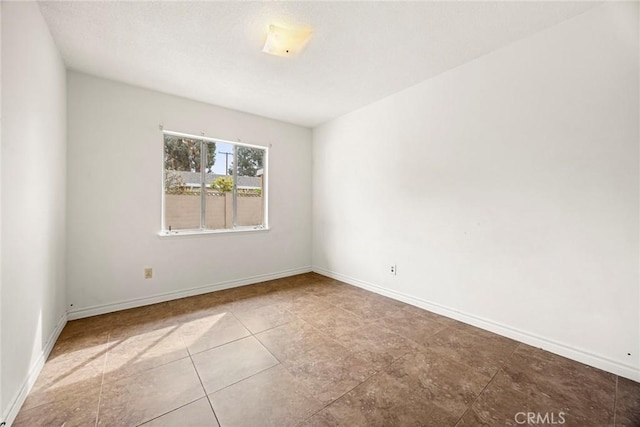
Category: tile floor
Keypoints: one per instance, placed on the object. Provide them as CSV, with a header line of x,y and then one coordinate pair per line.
x,y
310,351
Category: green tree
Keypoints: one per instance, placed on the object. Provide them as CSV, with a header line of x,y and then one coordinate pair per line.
x,y
183,154
249,161
222,184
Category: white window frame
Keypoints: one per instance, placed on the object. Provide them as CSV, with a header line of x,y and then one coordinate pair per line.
x,y
236,229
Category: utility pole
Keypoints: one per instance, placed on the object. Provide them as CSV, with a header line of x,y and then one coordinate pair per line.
x,y
226,161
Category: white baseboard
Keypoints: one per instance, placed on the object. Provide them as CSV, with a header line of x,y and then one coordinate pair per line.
x,y
79,313
552,346
18,400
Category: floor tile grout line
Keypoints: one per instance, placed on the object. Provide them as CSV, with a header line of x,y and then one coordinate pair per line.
x,y
422,347
253,308
337,398
253,335
173,328
39,405
166,413
133,374
269,351
217,346
245,378
615,401
206,396
109,342
270,328
324,335
104,368
330,337
83,364
348,391
356,386
142,371
266,349
369,323
487,385
204,390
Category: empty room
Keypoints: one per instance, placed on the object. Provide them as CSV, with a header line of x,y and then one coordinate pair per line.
x,y
319,213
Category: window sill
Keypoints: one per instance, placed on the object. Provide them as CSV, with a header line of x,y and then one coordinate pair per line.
x,y
193,233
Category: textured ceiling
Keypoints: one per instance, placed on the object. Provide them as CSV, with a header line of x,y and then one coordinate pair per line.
x,y
360,51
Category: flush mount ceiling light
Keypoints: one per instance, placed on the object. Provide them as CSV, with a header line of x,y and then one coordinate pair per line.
x,y
286,41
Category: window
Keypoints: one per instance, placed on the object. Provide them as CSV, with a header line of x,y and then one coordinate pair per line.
x,y
211,184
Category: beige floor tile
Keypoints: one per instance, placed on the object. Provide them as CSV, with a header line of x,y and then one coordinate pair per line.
x,y
585,394
140,398
292,338
195,414
387,400
367,307
411,325
420,312
143,319
197,307
222,366
317,289
273,398
320,419
441,381
254,302
341,292
78,408
263,318
387,300
484,351
328,371
334,321
502,404
379,345
75,363
128,355
418,389
212,331
305,305
627,403
89,326
373,360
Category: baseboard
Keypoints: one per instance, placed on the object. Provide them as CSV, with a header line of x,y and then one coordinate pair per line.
x,y
80,313
18,400
552,346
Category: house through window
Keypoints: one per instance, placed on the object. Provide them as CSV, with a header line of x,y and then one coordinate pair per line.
x,y
211,184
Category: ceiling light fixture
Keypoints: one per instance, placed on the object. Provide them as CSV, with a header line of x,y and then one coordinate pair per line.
x,y
286,41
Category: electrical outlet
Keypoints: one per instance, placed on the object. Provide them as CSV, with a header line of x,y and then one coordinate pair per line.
x,y
392,269
148,273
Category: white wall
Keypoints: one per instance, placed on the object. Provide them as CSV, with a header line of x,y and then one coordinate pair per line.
x,y
114,199
33,196
505,190
1,402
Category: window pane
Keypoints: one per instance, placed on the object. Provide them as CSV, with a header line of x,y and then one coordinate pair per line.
x,y
199,188
182,166
182,209
219,214
250,172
